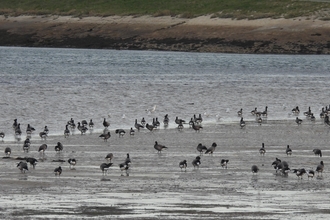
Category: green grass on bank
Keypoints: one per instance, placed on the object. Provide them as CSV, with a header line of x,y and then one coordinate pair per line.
x,y
239,9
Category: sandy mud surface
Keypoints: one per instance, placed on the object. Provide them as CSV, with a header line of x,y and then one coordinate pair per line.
x,y
156,188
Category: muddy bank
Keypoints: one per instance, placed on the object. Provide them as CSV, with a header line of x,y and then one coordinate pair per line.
x,y
204,34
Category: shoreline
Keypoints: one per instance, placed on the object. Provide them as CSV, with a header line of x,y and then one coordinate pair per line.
x,y
201,34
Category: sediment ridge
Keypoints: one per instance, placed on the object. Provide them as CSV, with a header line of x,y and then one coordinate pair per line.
x,y
201,34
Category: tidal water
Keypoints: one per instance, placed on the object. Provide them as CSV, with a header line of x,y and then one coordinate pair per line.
x,y
43,86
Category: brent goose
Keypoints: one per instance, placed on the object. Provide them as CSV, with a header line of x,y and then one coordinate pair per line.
x,y
240,112
196,127
310,174
180,126
128,160
82,128
137,125
26,147
317,152
43,135
42,148
2,135
150,127
196,162
120,132
46,130
22,166
319,168
262,150
91,124
18,130
298,121
242,123
32,161
307,113
7,151
84,123
288,150
66,131
105,167
191,122
143,121
299,172
211,149
109,156
15,124
131,132
259,120
106,124
183,164
124,166
72,162
159,147
253,112
296,110
166,120
59,147
105,136
254,169
265,113
199,119
58,171
201,148
179,121
224,163
72,124
29,130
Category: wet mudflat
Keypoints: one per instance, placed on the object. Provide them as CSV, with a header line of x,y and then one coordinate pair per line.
x,y
155,187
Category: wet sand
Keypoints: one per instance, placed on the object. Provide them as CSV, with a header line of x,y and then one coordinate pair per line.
x,y
156,188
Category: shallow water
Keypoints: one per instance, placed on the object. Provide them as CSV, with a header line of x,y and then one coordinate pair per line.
x,y
49,86
43,86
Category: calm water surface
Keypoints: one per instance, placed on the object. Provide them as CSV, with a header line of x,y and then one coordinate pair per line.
x,y
43,86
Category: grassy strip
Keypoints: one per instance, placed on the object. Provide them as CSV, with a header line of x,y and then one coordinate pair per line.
x,y
240,9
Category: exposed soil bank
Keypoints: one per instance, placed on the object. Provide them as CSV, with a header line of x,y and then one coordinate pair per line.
x,y
202,34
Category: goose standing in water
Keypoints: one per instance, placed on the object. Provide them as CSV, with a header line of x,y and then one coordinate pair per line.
x,y
32,161
72,162
91,124
166,120
262,150
183,164
106,124
109,156
224,163
66,131
319,168
254,169
7,151
317,152
2,135
288,150
23,166
137,125
120,132
298,121
42,148
242,123
58,171
58,147
105,167
131,132
240,112
211,149
196,162
159,147
201,148
105,136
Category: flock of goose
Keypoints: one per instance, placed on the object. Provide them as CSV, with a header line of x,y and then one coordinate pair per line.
x,y
195,123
